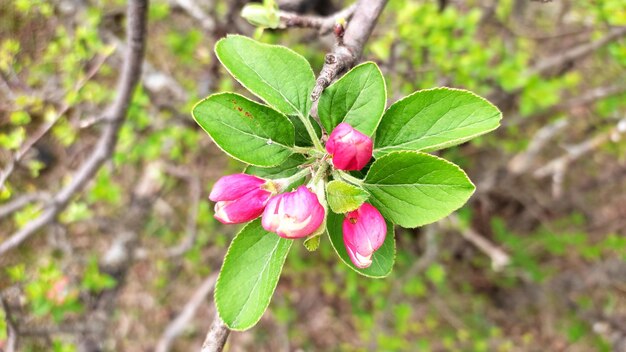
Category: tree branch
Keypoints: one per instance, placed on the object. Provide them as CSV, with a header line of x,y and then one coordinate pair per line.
x,y
11,342
216,337
577,52
115,116
176,327
348,51
324,25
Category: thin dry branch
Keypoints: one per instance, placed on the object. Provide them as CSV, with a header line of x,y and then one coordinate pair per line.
x,y
178,325
11,341
499,258
19,155
348,51
547,64
559,165
324,25
115,116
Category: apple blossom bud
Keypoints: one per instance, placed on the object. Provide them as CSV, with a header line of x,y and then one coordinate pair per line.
x,y
293,215
350,149
364,231
240,198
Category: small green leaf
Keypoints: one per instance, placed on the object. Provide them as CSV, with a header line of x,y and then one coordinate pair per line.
x,y
261,15
344,197
413,189
246,130
249,275
382,259
434,119
358,98
278,75
312,243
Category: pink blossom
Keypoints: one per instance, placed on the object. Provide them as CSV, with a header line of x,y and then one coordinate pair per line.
x,y
364,232
293,215
240,198
350,149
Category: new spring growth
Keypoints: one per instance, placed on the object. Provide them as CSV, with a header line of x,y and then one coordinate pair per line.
x,y
300,213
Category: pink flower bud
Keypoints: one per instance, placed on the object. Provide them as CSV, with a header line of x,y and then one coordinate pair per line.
x,y
350,149
364,232
293,215
240,198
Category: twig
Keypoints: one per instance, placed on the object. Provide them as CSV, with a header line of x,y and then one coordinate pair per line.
x,y
11,342
521,162
323,24
216,337
544,65
499,259
348,51
21,201
17,157
131,72
576,151
196,12
178,325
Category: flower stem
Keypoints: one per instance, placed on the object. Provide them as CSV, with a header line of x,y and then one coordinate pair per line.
x,y
283,183
311,131
349,178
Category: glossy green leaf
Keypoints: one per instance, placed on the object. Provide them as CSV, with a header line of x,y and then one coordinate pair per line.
x,y
413,189
344,197
248,131
382,259
302,136
358,98
434,119
249,275
278,75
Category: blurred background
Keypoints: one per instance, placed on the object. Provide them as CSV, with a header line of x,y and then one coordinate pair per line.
x,y
536,261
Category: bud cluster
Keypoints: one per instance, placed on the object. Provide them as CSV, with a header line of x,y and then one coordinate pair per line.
x,y
301,212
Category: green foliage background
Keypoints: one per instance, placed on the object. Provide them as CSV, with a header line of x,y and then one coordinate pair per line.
x,y
564,288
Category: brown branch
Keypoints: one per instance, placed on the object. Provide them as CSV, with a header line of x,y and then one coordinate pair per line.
x,y
499,258
324,25
216,337
348,51
11,342
177,326
115,116
22,201
544,65
17,157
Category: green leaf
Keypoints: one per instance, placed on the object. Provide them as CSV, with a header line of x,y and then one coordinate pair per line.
x,y
344,197
312,243
261,15
382,259
246,130
276,74
413,189
249,275
302,136
358,98
434,119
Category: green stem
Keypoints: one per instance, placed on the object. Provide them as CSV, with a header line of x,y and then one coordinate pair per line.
x,y
347,177
283,183
321,171
306,150
312,134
